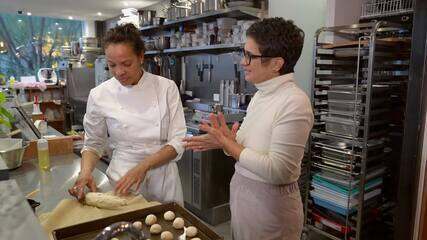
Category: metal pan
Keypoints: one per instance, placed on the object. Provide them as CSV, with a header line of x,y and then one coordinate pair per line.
x,y
90,229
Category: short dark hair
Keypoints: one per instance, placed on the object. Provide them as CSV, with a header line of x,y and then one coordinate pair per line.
x,y
277,37
126,33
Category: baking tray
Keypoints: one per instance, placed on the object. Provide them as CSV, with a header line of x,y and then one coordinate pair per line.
x,y
378,114
352,128
355,107
90,229
333,62
391,41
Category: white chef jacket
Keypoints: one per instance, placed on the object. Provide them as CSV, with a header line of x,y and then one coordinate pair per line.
x,y
139,120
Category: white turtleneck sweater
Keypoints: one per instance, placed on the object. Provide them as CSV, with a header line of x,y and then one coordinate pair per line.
x,y
274,132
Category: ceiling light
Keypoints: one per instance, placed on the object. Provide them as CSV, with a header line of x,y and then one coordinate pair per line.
x,y
56,24
29,13
60,28
48,32
19,20
70,17
99,13
1,44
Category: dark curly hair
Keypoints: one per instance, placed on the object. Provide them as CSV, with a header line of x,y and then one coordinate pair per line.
x,y
277,37
128,34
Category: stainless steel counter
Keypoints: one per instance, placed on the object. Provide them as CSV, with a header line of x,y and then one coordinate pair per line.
x,y
4,170
53,185
17,221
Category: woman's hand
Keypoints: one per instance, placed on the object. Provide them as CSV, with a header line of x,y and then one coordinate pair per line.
x,y
84,180
201,143
217,133
133,177
218,136
219,130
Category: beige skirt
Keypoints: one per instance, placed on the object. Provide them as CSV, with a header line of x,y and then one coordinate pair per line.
x,y
265,211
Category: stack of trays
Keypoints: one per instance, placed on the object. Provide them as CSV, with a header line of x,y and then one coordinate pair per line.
x,y
341,194
346,108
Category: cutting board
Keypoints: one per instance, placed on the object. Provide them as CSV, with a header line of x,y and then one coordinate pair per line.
x,y
71,212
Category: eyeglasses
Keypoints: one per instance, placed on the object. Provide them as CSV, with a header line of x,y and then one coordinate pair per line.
x,y
249,56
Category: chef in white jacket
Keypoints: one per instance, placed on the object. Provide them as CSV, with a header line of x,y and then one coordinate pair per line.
x,y
142,117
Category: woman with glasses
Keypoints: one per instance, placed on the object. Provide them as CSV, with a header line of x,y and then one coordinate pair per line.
x,y
265,200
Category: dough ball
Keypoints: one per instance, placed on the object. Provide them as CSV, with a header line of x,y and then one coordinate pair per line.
x,y
150,219
156,229
169,216
191,231
178,223
166,235
104,200
195,239
137,225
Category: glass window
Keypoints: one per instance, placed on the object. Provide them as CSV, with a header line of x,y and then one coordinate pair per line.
x,y
28,43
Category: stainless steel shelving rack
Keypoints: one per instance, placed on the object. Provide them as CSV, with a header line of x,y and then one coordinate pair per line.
x,y
239,12
354,81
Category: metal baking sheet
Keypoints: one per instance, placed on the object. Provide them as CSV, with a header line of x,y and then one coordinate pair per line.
x,y
343,74
90,229
335,62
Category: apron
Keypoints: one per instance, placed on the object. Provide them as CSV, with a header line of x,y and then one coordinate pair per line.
x,y
137,130
265,211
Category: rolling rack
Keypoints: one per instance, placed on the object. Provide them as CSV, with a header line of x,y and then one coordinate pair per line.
x,y
358,72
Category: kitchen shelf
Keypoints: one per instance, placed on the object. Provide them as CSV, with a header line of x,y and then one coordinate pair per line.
x,y
240,12
48,87
151,27
153,52
204,48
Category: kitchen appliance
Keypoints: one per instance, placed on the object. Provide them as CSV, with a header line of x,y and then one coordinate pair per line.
x,y
48,76
80,80
101,70
206,176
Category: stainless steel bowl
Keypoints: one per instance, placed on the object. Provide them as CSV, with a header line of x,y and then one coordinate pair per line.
x,y
12,156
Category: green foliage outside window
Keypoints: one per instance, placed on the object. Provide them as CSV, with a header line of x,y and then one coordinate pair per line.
x,y
28,43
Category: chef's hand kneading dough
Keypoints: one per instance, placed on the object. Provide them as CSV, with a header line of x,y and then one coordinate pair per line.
x,y
105,200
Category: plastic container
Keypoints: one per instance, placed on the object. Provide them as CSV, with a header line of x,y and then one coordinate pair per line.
x,y
43,154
